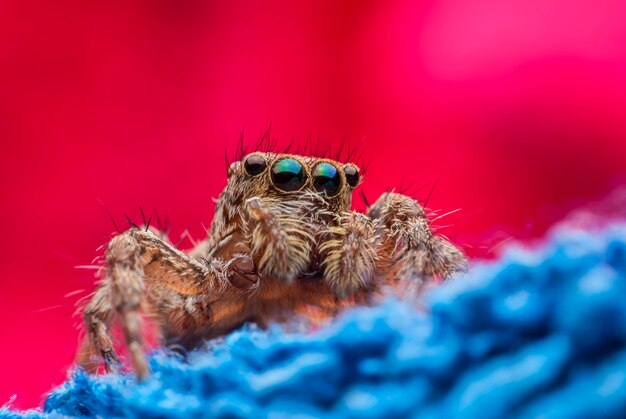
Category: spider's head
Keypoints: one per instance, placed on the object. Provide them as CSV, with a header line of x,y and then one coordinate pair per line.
x,y
290,177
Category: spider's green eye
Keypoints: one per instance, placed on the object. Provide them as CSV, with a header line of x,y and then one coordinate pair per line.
x,y
326,178
254,165
288,174
352,176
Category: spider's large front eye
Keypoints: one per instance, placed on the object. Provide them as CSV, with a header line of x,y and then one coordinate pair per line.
x,y
326,178
254,165
288,174
352,176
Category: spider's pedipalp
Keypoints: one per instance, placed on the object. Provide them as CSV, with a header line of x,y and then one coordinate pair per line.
x,y
281,241
348,254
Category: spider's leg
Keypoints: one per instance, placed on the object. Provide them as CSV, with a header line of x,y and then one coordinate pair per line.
x,y
348,254
140,264
406,245
98,315
280,241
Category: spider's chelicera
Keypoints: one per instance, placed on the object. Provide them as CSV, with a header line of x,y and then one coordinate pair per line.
x,y
283,241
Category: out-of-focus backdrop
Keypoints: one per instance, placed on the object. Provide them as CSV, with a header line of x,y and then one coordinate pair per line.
x,y
514,112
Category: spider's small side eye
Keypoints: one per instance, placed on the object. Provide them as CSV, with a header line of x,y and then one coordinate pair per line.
x,y
288,174
352,176
326,178
254,165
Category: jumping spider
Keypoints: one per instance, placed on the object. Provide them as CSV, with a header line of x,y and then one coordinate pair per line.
x,y
283,241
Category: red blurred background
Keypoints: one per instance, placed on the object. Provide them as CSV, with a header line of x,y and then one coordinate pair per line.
x,y
513,111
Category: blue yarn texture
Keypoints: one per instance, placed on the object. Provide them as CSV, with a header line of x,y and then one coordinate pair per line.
x,y
539,333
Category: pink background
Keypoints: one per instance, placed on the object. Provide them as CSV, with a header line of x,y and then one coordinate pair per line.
x,y
515,110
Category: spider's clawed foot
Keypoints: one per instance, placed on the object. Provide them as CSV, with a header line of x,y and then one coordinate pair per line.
x,y
111,361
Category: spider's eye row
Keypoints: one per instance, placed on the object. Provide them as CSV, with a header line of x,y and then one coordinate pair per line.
x,y
352,176
326,178
255,165
288,174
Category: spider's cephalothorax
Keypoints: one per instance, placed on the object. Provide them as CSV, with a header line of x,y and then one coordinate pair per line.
x,y
283,241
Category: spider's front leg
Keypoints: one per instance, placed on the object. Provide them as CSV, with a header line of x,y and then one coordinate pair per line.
x,y
140,264
406,245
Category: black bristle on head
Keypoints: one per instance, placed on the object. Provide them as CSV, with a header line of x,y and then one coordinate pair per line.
x,y
309,142
348,155
240,152
130,221
265,144
338,153
357,155
408,189
143,215
241,148
425,204
110,216
146,221
319,152
364,199
364,166
301,148
290,146
158,220
227,161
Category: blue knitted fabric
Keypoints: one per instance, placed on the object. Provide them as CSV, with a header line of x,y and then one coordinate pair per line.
x,y
537,334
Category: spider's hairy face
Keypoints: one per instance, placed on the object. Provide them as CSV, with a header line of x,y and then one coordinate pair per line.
x,y
292,178
281,208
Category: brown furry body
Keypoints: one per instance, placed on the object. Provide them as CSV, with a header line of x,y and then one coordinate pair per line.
x,y
272,253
